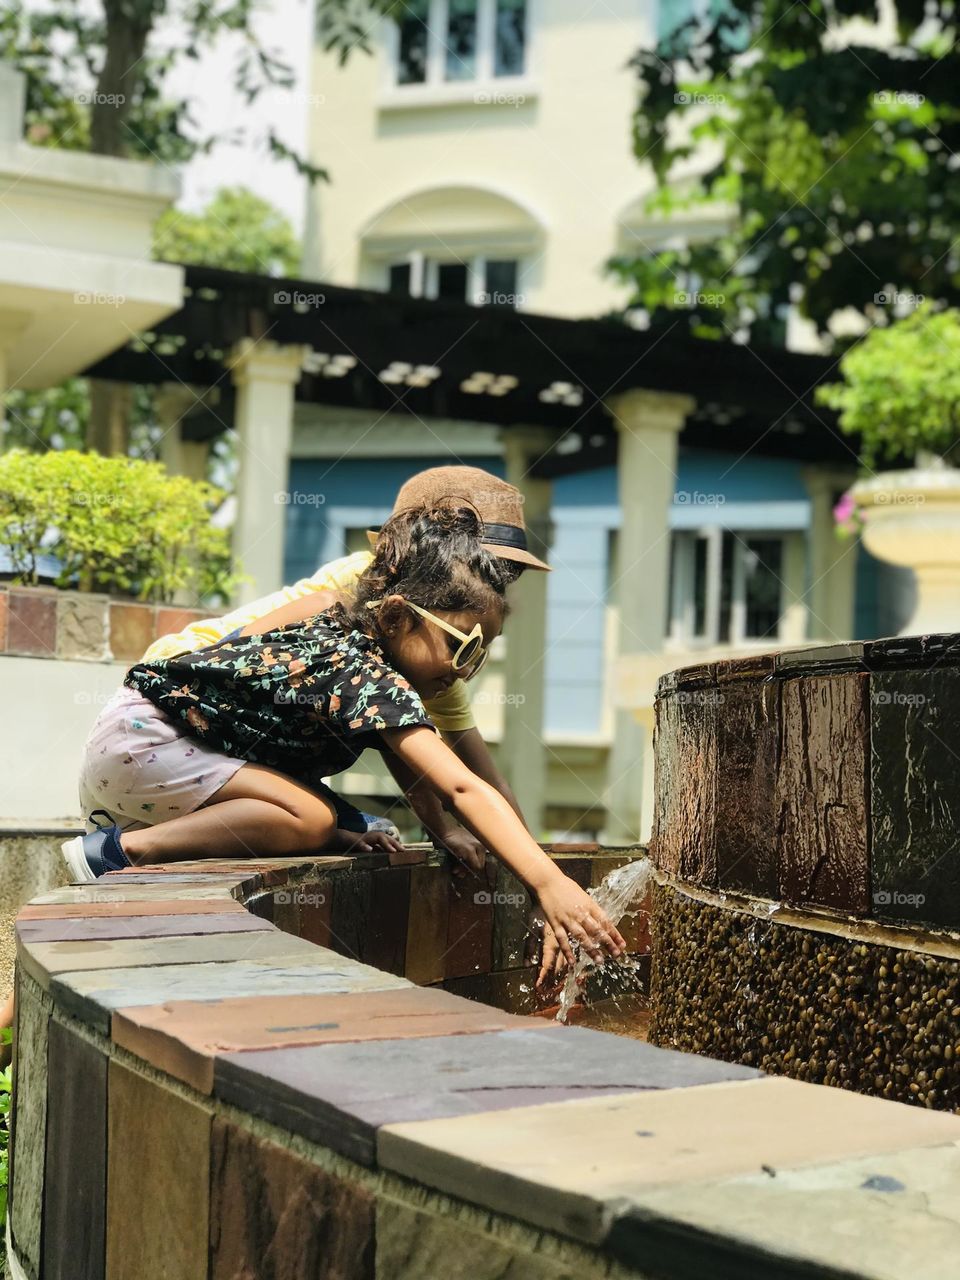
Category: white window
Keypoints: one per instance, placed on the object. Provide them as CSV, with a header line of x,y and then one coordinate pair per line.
x,y
478,279
442,41
726,587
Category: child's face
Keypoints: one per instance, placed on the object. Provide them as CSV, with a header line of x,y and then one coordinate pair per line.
x,y
423,652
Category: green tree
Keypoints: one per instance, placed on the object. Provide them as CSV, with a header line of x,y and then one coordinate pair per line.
x,y
900,392
97,80
236,230
836,143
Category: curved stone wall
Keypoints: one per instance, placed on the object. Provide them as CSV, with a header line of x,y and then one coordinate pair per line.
x,y
806,818
200,1095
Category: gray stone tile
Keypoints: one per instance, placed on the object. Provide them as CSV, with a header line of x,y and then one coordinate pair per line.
x,y
93,996
884,1217
340,1095
44,960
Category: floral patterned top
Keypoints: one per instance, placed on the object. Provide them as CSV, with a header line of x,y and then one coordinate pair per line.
x,y
308,694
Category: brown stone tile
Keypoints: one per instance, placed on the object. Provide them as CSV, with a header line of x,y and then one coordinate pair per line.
x,y
183,1038
4,617
512,905
512,990
158,1181
316,912
407,857
67,929
748,733
166,907
32,622
82,626
131,630
469,927
75,1182
350,911
427,924
286,912
272,1207
386,941
168,621
683,842
273,871
580,870
821,814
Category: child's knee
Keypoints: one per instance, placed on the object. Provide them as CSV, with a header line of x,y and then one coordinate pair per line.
x,y
315,820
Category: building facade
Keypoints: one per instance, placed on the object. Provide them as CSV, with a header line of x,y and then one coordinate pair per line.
x,y
484,152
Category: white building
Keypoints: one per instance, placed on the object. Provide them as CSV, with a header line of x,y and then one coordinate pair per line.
x,y
484,153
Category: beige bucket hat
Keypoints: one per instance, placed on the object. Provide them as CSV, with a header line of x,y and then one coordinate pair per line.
x,y
500,506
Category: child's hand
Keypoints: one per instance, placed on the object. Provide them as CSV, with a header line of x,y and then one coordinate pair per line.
x,y
574,916
363,841
552,962
466,848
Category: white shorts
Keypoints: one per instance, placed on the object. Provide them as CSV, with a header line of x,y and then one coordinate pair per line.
x,y
139,768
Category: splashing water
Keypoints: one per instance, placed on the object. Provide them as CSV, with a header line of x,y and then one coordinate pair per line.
x,y
615,894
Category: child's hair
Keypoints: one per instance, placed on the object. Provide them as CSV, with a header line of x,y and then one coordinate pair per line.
x,y
432,557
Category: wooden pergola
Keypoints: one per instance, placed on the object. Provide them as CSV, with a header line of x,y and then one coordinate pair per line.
x,y
442,359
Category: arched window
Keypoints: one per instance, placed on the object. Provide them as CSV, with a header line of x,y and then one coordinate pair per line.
x,y
466,243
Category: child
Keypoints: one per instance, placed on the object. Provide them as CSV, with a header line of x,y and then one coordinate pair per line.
x,y
500,506
222,737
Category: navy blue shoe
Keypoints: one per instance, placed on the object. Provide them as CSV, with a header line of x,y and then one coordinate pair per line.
x,y
91,856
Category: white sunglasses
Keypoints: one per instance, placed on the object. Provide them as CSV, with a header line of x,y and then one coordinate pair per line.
x,y
471,651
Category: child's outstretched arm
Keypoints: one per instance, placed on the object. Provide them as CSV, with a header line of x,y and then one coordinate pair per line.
x,y
573,915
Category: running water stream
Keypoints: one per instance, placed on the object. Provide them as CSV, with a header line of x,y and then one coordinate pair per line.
x,y
617,892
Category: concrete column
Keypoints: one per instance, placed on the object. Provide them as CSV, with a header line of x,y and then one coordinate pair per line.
x,y
522,753
12,324
793,626
265,374
172,402
648,424
832,560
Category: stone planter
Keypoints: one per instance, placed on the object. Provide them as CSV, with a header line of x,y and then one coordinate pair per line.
x,y
912,519
45,622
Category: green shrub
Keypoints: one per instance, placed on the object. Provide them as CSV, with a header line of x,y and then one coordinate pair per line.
x,y
118,525
901,387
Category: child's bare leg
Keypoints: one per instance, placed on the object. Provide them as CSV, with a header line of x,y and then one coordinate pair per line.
x,y
257,812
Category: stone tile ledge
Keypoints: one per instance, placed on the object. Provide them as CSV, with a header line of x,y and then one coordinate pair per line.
x,y
148,1029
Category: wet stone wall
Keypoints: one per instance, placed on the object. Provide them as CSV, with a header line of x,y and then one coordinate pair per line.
x,y
807,805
